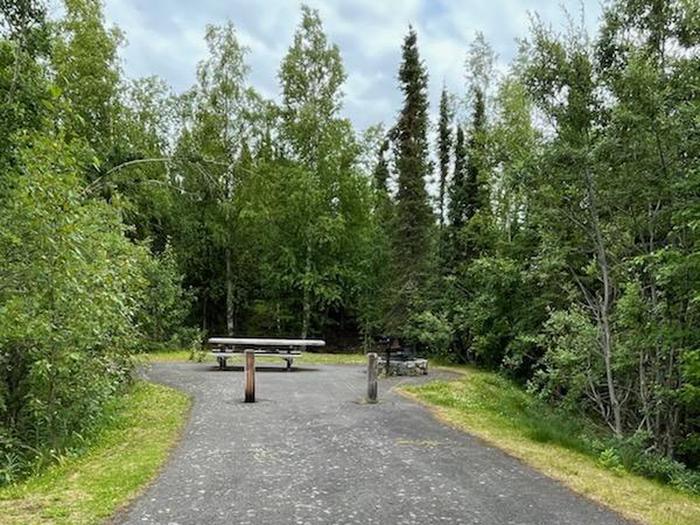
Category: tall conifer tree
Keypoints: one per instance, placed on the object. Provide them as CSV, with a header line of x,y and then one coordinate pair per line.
x,y
381,170
444,146
475,185
414,217
458,200
468,192
456,210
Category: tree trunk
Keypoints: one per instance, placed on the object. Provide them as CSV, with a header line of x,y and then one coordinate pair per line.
x,y
644,393
605,304
278,321
306,301
229,294
204,313
607,357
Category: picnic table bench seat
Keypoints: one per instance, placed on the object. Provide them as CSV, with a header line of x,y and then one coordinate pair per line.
x,y
287,349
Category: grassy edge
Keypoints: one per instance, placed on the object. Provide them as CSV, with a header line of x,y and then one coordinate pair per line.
x,y
119,465
633,497
186,414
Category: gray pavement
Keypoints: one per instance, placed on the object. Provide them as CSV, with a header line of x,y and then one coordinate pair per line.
x,y
310,452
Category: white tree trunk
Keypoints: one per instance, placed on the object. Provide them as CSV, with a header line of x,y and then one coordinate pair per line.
x,y
605,305
306,300
229,294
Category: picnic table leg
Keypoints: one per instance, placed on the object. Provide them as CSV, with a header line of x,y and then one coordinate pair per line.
x,y
289,360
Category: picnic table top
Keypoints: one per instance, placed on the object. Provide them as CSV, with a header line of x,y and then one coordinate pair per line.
x,y
254,341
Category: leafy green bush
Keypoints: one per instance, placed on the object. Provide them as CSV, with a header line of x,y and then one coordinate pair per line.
x,y
635,454
431,333
668,471
69,287
610,459
565,369
164,304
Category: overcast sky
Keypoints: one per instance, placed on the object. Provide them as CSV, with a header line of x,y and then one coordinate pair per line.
x,y
166,38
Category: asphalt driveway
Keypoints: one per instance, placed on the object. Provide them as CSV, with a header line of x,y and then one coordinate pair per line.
x,y
309,451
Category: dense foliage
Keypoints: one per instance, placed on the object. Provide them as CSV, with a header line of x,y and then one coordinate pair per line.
x,y
558,243
79,291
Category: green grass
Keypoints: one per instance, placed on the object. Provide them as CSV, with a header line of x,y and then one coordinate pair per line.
x,y
171,356
498,411
306,358
123,458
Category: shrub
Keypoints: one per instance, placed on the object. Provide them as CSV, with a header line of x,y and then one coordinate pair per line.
x,y
430,333
610,459
635,454
69,284
164,304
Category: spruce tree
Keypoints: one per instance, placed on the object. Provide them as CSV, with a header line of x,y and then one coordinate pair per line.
x,y
381,170
383,204
444,146
475,188
456,210
468,193
458,199
412,160
414,217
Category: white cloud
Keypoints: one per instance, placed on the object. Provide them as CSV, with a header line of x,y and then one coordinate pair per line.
x,y
166,38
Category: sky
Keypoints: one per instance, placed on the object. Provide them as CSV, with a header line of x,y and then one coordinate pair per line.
x,y
166,38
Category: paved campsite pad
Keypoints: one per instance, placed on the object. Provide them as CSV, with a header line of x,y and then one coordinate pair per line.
x,y
309,451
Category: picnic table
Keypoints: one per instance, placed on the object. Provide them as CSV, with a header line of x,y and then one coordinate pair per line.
x,y
287,349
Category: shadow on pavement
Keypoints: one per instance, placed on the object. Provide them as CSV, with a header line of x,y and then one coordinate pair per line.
x,y
241,368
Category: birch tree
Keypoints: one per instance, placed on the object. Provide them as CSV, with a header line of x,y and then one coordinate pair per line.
x,y
332,195
213,132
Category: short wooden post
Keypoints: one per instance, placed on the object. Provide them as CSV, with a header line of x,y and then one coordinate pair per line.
x,y
372,377
250,376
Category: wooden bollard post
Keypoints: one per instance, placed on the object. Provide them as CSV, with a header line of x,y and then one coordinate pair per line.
x,y
250,376
372,373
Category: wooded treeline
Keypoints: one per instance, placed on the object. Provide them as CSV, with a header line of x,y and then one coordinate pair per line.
x,y
546,224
